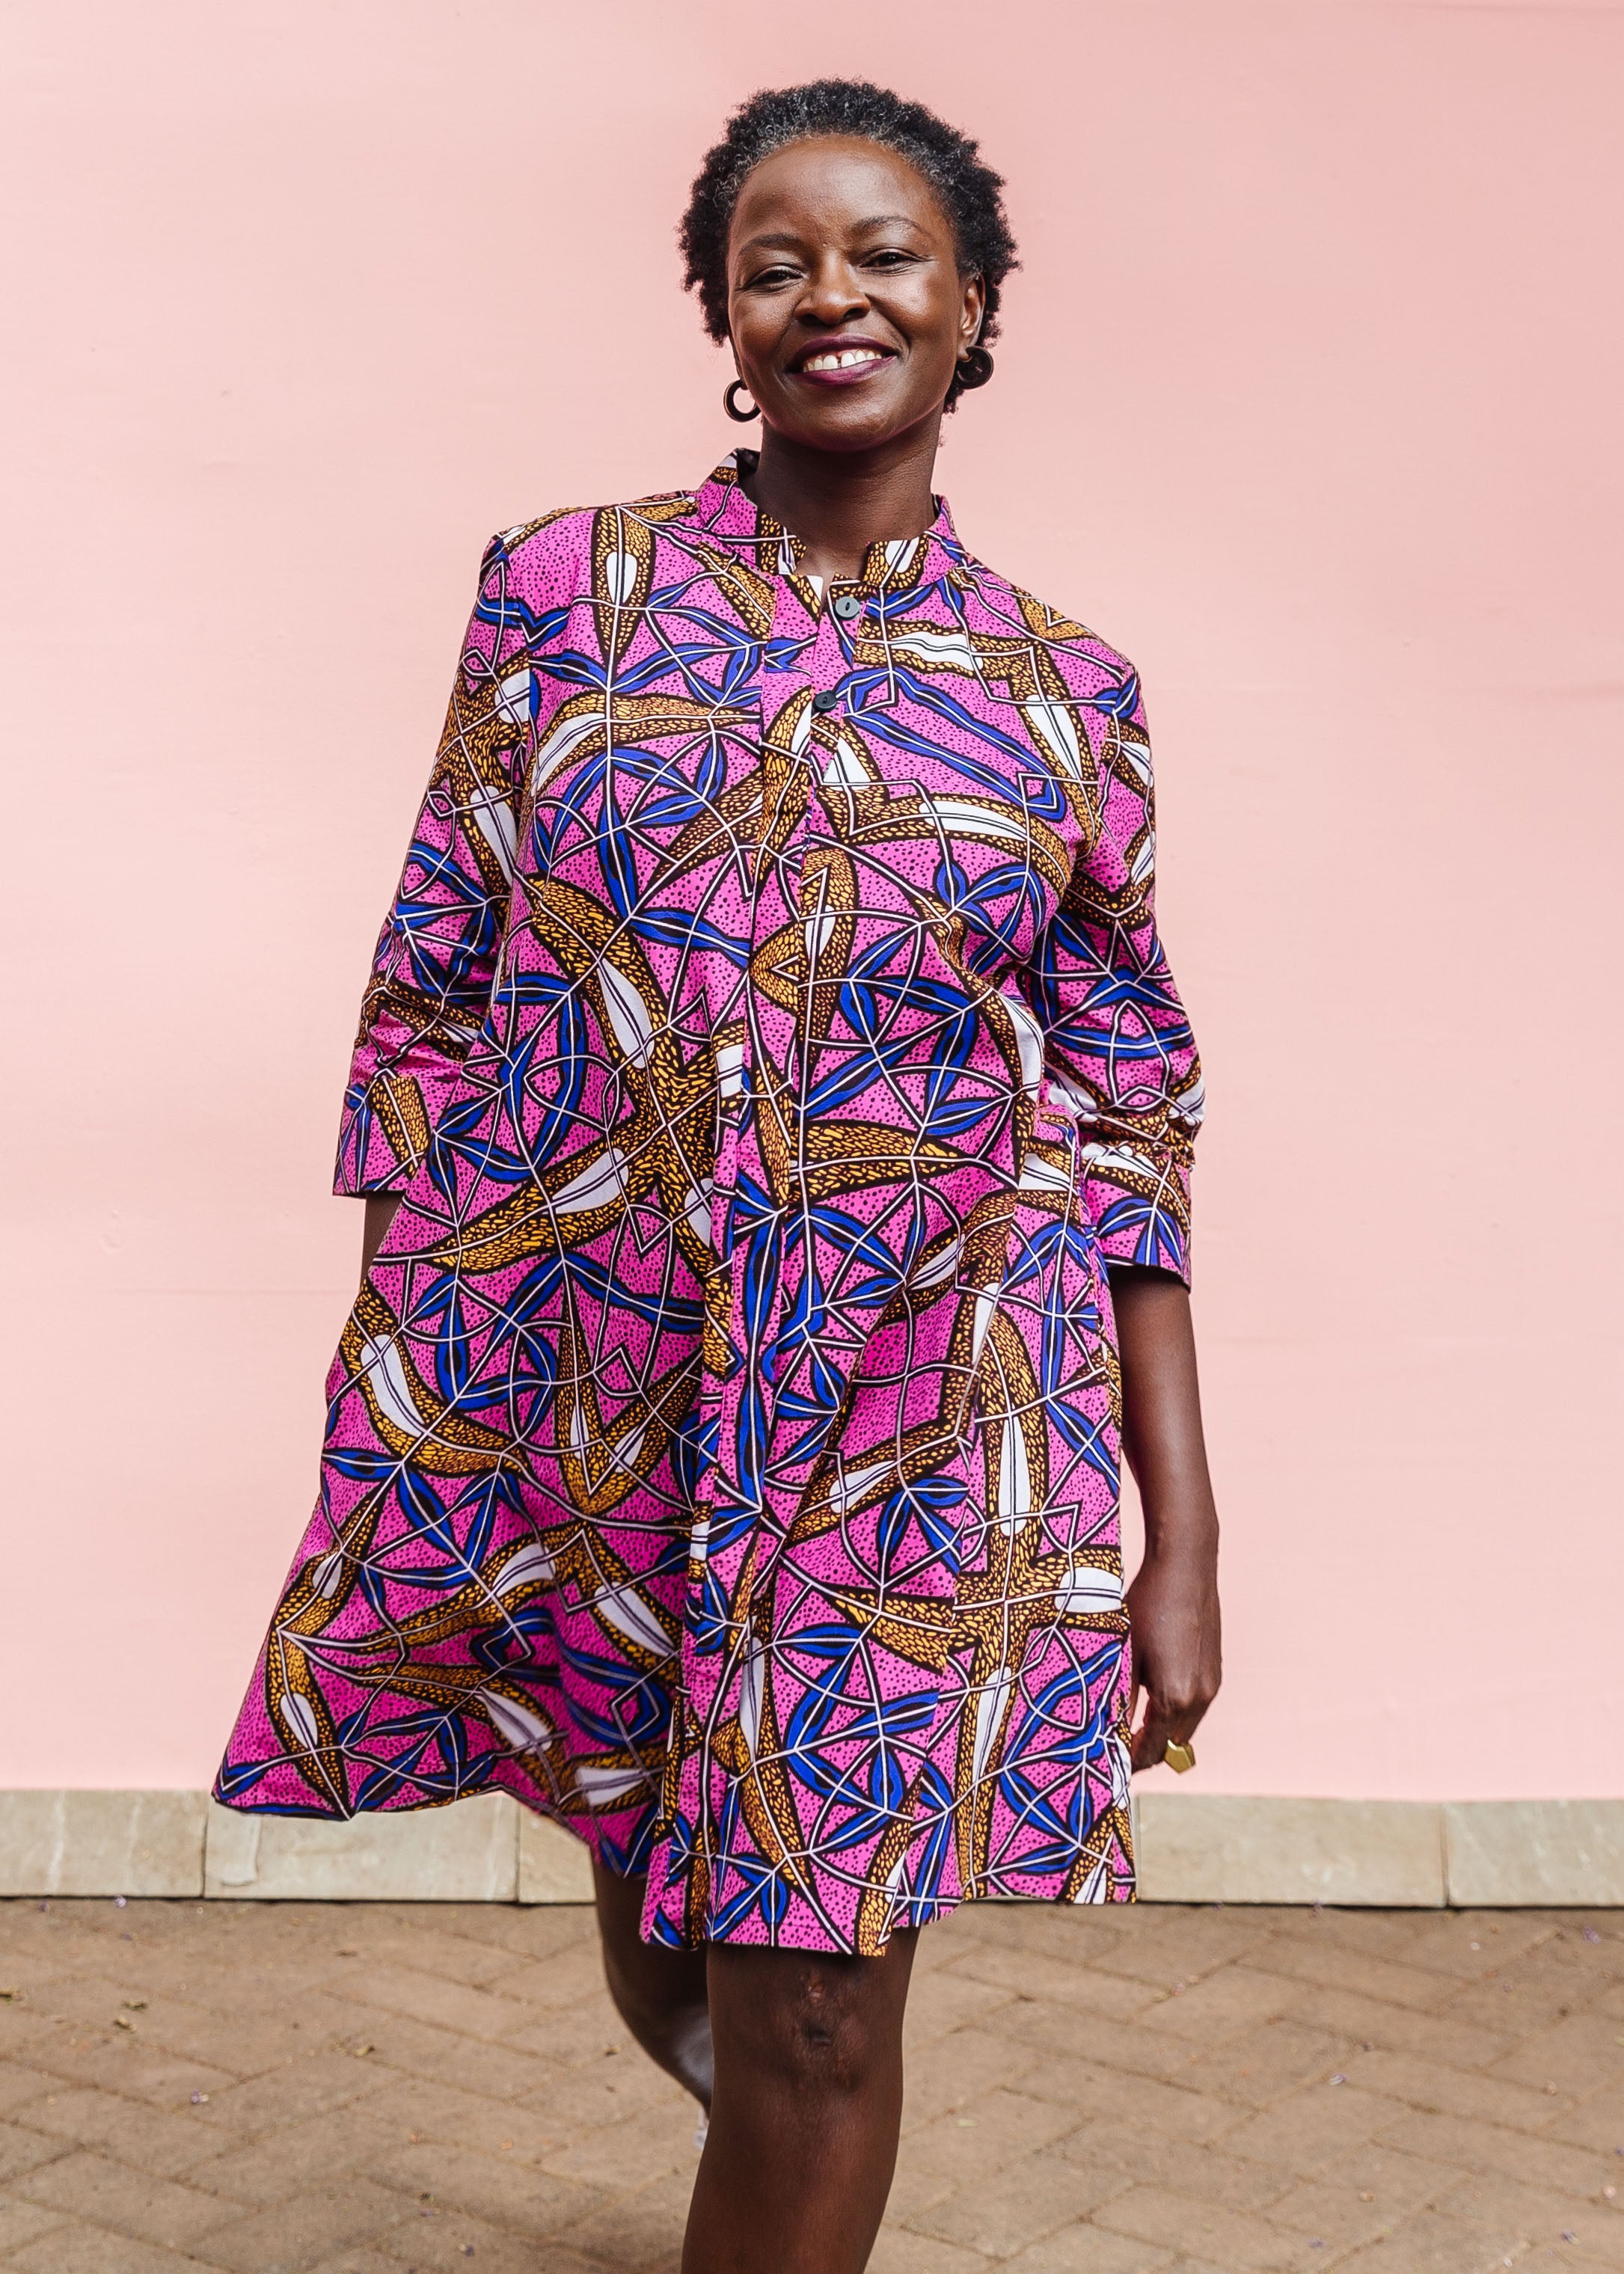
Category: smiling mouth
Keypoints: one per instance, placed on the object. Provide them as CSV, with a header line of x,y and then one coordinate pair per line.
x,y
846,359
842,363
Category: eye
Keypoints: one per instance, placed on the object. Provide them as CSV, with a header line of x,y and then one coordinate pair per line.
x,y
890,257
770,277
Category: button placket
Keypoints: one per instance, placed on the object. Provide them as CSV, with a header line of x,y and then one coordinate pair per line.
x,y
759,918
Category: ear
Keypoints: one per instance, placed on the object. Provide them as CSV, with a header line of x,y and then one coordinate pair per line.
x,y
972,311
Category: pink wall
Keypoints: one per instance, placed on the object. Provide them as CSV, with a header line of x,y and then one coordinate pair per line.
x,y
1310,398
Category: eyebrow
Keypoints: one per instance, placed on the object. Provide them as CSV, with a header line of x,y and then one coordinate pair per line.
x,y
787,236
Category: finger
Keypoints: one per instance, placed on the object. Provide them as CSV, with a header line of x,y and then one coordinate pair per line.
x,y
1150,1743
1182,1721
1163,1723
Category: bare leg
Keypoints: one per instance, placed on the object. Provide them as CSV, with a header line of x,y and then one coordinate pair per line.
x,y
660,1994
808,2103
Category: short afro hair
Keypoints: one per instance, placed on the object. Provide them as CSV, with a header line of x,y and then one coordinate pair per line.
x,y
970,193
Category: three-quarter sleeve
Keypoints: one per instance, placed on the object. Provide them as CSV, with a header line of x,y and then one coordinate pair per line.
x,y
1118,1047
436,957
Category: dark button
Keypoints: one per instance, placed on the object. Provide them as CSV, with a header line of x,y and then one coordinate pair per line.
x,y
826,699
847,605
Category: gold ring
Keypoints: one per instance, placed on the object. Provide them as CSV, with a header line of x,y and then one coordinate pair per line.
x,y
1179,1758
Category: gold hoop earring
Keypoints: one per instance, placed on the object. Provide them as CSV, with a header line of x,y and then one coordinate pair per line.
x,y
731,407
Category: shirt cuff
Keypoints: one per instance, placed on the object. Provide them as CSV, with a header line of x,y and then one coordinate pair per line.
x,y
383,1137
1138,1200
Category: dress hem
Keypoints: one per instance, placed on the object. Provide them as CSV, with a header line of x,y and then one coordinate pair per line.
x,y
913,1916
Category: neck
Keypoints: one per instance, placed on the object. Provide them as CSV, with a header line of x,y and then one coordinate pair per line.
x,y
839,503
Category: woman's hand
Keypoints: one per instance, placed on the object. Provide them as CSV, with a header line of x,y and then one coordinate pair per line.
x,y
1173,1602
1177,1649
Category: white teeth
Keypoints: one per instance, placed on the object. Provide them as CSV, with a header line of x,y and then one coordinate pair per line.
x,y
841,360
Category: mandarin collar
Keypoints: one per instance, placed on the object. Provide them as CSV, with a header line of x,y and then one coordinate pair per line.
x,y
727,516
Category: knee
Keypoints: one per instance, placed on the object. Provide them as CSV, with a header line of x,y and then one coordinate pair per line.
x,y
655,2008
824,2033
671,2021
655,1990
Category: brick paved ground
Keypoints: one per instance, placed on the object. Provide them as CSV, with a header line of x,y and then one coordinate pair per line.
x,y
252,2087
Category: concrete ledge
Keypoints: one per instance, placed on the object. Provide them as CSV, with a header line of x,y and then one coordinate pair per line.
x,y
554,1866
468,1853
101,1843
1205,1847
1193,1847
1534,1852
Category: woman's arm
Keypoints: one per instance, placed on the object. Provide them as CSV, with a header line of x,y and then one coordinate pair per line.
x,y
437,955
1117,1047
1173,1601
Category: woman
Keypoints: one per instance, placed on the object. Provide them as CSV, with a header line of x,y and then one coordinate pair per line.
x,y
768,1089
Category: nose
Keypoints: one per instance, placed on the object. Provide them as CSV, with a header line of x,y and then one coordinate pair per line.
x,y
834,292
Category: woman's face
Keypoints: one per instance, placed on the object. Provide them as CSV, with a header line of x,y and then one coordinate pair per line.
x,y
845,301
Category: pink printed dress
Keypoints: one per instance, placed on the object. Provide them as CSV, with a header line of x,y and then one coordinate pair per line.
x,y
772,1045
